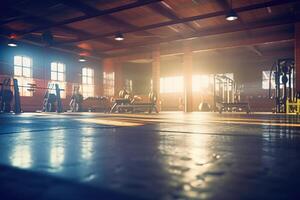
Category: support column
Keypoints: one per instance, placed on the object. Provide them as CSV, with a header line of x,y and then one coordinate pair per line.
x,y
107,67
119,83
297,55
188,72
156,74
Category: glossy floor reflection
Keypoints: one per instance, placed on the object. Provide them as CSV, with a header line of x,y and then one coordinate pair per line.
x,y
165,156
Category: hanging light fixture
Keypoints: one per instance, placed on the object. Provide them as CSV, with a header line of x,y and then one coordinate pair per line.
x,y
119,36
81,59
12,42
231,16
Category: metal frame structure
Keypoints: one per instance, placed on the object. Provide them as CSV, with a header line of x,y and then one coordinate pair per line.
x,y
5,105
127,104
51,99
227,95
285,86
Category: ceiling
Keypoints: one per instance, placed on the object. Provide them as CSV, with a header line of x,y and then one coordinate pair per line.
x,y
88,27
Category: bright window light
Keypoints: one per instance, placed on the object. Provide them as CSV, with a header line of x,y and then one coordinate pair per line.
x,y
23,72
58,76
22,81
128,85
88,86
171,84
58,71
266,80
109,83
201,82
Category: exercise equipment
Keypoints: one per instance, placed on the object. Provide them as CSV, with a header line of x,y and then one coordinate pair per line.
x,y
9,96
227,95
52,102
293,106
17,108
204,107
134,104
76,100
97,104
283,71
124,99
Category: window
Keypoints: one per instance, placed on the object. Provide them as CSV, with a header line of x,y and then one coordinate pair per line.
x,y
23,72
128,85
171,84
58,76
201,82
225,77
109,83
88,82
58,71
266,80
23,66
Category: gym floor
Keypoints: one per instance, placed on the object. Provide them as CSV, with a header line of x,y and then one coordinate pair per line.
x,y
163,156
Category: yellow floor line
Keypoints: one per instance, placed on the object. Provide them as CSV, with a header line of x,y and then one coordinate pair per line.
x,y
187,118
118,120
248,119
226,121
110,122
260,123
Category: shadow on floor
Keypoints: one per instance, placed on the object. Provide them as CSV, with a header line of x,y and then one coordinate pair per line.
x,y
16,184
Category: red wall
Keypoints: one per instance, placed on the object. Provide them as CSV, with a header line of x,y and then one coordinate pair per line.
x,y
35,102
41,60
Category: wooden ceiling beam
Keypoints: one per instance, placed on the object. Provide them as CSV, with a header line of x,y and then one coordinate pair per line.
x,y
90,16
226,6
73,50
108,19
79,5
88,10
66,50
235,43
284,37
39,20
16,16
213,32
254,49
194,18
7,7
165,10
